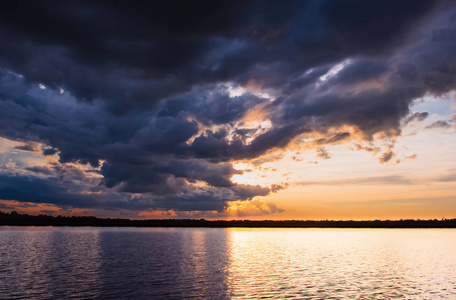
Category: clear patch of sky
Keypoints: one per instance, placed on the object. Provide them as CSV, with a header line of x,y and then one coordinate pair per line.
x,y
443,106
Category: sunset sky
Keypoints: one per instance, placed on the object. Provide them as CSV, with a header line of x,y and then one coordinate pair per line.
x,y
229,109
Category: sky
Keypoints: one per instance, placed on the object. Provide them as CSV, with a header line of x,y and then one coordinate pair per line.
x,y
229,109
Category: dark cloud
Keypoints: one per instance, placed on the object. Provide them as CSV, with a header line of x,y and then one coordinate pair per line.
x,y
386,156
140,150
144,91
416,117
211,107
50,151
5,206
26,147
360,71
66,194
334,139
36,190
135,54
215,175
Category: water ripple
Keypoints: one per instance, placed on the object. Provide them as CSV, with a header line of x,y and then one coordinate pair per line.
x,y
170,263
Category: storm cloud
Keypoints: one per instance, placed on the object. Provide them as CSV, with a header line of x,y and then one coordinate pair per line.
x,y
161,98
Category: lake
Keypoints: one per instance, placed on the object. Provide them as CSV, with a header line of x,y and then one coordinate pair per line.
x,y
217,263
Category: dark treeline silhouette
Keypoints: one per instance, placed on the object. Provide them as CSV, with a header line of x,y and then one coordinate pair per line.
x,y
16,219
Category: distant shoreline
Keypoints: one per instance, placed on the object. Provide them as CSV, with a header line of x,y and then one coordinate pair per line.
x,y
16,219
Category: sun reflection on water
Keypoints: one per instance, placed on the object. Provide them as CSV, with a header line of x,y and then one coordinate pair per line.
x,y
339,264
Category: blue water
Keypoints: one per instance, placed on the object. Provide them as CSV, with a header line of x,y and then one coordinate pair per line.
x,y
173,263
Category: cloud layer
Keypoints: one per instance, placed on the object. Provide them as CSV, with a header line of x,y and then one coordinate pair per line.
x,y
161,98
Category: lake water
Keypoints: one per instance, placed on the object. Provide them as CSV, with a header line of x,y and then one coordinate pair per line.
x,y
204,263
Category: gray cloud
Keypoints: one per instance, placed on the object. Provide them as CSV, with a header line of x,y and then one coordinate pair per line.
x,y
322,153
416,117
438,124
376,180
450,177
386,156
40,169
26,147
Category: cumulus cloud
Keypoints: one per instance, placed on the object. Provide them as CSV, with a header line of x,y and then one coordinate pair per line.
x,y
438,124
253,208
143,92
443,124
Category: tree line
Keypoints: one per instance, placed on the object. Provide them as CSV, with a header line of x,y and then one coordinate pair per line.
x,y
18,219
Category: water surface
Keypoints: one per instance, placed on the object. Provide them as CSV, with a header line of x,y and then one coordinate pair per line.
x,y
215,263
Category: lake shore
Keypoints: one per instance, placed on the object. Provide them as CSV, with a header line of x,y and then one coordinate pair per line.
x,y
16,219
